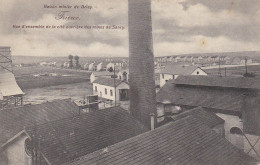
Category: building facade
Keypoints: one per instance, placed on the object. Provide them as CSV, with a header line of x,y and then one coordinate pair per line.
x,y
172,71
105,88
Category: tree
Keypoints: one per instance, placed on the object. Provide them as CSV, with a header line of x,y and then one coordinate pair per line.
x,y
70,62
76,58
110,69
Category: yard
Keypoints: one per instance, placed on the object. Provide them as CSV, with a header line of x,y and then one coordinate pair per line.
x,y
38,77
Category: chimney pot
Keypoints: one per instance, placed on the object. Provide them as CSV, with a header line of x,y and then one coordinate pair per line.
x,y
152,115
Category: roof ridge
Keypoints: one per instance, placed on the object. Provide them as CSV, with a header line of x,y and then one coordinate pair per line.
x,y
78,116
140,135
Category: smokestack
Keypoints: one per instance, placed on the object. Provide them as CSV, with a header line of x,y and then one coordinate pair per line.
x,y
141,61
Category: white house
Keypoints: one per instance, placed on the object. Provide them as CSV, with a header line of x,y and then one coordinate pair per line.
x,y
244,61
99,66
85,66
172,71
95,75
123,75
92,66
177,59
200,58
43,63
106,87
109,65
189,58
65,64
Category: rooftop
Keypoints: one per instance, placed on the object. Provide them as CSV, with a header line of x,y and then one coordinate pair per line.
x,y
67,139
108,81
208,118
229,100
104,73
13,120
185,141
216,81
235,100
178,69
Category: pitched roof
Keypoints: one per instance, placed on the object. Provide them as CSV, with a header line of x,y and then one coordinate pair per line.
x,y
224,100
229,100
185,141
67,139
208,118
178,69
13,120
216,81
108,81
8,85
104,73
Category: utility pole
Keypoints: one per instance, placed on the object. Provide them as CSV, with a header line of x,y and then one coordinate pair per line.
x,y
219,71
111,69
115,83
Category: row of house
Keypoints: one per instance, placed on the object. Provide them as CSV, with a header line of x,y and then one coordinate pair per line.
x,y
103,66
191,58
205,60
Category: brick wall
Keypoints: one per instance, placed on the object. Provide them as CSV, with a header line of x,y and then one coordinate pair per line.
x,y
141,61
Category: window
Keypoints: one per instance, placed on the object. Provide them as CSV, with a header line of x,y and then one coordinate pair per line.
x,y
105,91
96,88
162,75
111,92
198,72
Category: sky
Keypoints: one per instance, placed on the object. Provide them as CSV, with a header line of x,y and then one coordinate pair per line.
x,y
179,27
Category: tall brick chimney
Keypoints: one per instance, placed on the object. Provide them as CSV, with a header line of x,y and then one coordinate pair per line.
x,y
141,61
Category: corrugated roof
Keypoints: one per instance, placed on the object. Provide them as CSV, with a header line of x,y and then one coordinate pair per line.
x,y
216,81
13,120
8,85
178,69
108,81
208,118
185,141
67,139
223,99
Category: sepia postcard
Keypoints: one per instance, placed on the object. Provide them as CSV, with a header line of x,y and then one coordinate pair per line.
x,y
115,82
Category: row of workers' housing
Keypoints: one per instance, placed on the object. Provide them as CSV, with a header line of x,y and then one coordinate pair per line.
x,y
208,59
103,66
